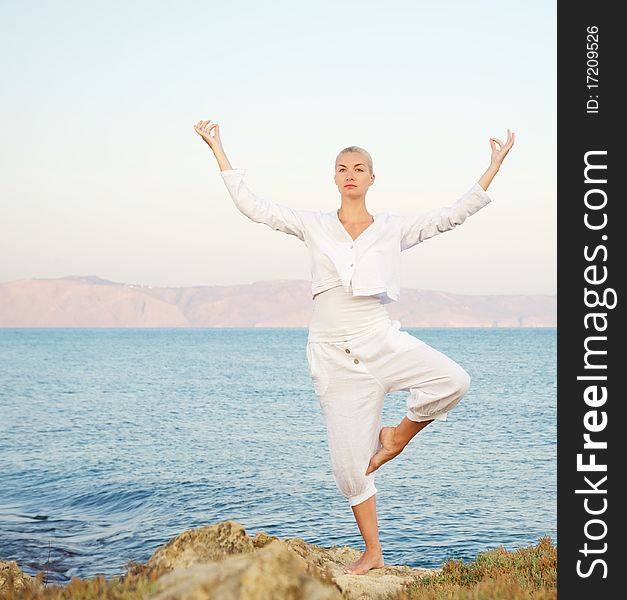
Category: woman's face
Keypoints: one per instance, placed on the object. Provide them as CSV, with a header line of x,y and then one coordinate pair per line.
x,y
352,176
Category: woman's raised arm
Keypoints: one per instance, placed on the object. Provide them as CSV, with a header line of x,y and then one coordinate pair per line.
x,y
257,209
422,226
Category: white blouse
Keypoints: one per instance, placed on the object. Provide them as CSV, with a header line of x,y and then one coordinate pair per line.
x,y
371,262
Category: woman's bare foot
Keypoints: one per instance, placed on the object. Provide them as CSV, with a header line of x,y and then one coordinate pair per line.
x,y
372,558
390,448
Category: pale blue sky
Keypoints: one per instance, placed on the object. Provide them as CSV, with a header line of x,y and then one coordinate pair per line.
x,y
101,172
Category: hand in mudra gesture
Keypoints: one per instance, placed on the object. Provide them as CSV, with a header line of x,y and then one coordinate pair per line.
x,y
500,149
203,129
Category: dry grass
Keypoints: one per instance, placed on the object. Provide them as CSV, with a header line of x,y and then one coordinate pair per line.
x,y
526,574
137,584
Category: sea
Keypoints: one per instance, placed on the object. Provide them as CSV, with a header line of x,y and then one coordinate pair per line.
x,y
114,441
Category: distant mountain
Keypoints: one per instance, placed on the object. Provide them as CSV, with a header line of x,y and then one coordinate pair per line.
x,y
89,301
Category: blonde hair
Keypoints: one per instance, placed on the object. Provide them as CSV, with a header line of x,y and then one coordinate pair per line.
x,y
361,151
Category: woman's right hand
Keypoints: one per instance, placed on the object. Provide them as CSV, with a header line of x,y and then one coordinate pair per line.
x,y
203,129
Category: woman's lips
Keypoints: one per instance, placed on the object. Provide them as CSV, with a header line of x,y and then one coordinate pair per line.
x,y
350,185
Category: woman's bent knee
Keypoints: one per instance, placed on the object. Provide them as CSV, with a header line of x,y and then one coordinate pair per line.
x,y
427,403
460,381
459,384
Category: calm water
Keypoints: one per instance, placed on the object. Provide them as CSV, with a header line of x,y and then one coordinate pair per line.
x,y
112,441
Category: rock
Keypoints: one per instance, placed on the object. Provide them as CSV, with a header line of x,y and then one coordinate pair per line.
x,y
222,561
201,545
13,579
273,572
376,584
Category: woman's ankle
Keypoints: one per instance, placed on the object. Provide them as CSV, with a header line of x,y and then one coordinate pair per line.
x,y
373,547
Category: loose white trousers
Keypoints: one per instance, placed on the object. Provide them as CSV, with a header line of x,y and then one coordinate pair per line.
x,y
351,379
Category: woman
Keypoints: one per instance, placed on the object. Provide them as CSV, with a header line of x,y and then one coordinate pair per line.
x,y
356,353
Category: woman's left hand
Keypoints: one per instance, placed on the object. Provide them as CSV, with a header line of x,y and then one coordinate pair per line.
x,y
500,149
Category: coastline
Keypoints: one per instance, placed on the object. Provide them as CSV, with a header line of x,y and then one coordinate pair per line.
x,y
222,561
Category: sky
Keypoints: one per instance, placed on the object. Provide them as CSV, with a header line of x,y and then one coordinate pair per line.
x,y
102,173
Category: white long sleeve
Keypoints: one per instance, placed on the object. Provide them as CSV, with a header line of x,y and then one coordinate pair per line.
x,y
419,227
278,217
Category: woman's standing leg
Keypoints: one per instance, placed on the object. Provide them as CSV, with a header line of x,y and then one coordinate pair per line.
x,y
366,512
353,415
352,401
366,517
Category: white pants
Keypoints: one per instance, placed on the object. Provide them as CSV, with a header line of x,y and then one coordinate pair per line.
x,y
351,379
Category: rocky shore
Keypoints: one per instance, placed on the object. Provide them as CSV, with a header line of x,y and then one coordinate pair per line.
x,y
222,561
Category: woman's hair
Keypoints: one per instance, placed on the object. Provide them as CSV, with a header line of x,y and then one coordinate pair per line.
x,y
361,151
